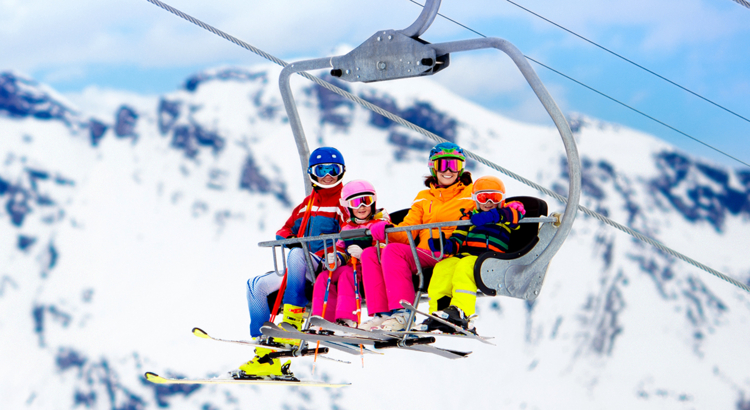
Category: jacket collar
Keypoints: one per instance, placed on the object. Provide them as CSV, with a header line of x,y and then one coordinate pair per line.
x,y
448,192
328,193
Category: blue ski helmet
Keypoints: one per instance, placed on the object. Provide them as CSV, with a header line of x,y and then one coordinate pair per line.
x,y
326,155
445,150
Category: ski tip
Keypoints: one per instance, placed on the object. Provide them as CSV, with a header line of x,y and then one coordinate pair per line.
x,y
154,378
200,333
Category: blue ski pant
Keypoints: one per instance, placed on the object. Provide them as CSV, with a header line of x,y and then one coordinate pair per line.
x,y
259,287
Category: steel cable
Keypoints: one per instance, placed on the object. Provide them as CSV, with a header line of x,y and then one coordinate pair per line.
x,y
436,138
607,96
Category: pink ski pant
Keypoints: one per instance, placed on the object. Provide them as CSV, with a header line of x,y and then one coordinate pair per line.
x,y
388,283
342,303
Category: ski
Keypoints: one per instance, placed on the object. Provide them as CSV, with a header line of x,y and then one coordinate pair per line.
x,y
325,324
155,378
347,345
204,335
312,336
281,351
458,329
416,341
447,353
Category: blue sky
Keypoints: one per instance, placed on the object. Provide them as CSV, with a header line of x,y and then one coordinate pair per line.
x,y
702,45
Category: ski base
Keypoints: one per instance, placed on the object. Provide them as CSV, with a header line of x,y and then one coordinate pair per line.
x,y
155,378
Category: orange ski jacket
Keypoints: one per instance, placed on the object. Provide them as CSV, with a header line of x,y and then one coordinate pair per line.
x,y
435,205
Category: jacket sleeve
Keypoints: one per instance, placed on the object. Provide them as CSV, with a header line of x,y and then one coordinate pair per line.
x,y
286,231
413,217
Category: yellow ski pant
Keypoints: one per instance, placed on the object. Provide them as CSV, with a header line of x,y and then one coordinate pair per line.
x,y
454,277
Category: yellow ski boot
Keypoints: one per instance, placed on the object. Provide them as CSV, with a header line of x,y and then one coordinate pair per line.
x,y
262,366
295,316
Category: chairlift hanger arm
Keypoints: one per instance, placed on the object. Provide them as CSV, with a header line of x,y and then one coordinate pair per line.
x,y
392,54
424,21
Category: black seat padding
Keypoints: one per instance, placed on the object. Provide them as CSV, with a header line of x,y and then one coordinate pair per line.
x,y
398,216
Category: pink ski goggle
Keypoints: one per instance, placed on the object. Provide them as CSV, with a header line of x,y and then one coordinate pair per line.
x,y
448,164
365,200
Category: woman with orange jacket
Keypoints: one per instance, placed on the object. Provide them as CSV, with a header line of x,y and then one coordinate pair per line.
x,y
389,280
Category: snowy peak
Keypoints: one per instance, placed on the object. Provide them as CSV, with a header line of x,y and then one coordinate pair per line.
x,y
22,97
700,191
149,220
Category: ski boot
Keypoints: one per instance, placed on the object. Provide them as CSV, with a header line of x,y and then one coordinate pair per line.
x,y
346,322
396,322
295,316
376,321
264,367
452,314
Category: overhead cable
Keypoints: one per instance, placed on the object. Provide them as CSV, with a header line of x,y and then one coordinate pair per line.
x,y
609,97
633,62
743,3
436,138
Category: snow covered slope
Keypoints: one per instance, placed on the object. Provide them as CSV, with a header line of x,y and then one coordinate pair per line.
x,y
122,228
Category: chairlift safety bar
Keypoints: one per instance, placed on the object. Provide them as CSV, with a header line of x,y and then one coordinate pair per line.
x,y
366,232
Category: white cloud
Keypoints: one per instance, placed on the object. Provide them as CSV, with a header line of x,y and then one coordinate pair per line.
x,y
39,33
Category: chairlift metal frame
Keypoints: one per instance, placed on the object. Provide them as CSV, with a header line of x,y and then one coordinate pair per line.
x,y
399,54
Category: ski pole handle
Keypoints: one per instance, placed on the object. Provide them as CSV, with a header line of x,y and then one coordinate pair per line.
x,y
332,261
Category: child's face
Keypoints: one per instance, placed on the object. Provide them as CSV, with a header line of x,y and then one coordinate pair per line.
x,y
362,212
327,180
488,206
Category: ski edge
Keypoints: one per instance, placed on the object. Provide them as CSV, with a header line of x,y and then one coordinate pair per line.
x,y
466,333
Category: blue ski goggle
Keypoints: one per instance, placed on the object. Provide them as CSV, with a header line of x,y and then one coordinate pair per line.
x,y
321,170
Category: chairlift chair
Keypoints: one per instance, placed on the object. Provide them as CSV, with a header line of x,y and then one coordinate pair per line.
x,y
401,54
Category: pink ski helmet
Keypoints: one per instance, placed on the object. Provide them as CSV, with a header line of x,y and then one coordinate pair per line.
x,y
358,188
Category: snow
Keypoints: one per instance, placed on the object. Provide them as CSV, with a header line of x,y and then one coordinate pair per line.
x,y
145,239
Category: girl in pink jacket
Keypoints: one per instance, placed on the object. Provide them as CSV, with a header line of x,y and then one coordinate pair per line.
x,y
360,198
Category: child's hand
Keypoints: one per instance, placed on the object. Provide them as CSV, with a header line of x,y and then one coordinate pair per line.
x,y
355,251
377,230
510,216
448,245
486,218
518,206
333,261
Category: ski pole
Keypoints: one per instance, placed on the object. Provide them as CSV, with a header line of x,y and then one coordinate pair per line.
x,y
359,305
279,296
331,266
282,288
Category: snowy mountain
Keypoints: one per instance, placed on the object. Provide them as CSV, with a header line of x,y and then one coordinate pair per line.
x,y
126,224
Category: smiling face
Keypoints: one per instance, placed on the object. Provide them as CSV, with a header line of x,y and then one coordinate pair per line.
x,y
488,206
446,178
362,212
327,180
